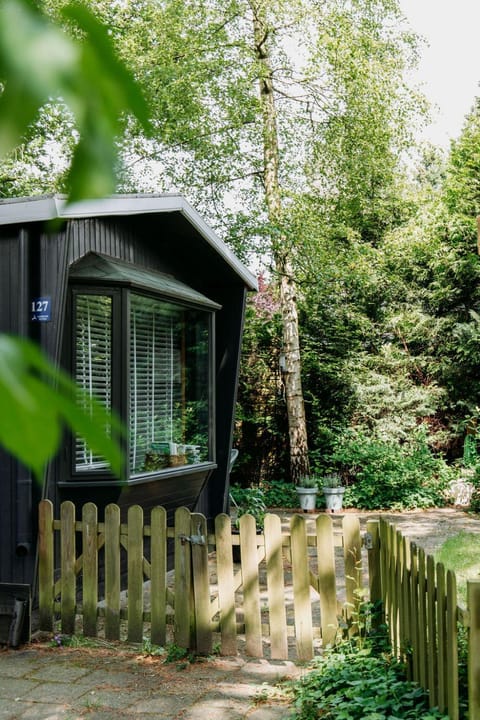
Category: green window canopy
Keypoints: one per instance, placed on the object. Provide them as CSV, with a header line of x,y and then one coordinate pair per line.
x,y
106,270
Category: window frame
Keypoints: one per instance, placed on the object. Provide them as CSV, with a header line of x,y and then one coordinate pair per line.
x,y
120,374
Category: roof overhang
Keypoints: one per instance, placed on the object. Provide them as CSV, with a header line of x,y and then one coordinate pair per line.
x,y
55,207
103,269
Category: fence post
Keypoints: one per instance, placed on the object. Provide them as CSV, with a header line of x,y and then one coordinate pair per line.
x,y
327,579
452,646
112,572
473,604
184,607
301,588
374,571
251,591
431,632
201,586
45,565
68,578
276,587
90,568
135,573
441,638
226,592
352,555
158,559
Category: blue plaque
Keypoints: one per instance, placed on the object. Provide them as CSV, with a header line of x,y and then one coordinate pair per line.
x,y
41,309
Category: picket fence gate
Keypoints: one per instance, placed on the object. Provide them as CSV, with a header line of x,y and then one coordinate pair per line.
x,y
419,597
294,588
282,599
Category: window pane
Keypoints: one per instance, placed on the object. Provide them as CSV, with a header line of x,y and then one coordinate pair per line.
x,y
169,385
92,364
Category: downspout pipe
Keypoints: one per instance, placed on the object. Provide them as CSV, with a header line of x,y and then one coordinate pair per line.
x,y
23,515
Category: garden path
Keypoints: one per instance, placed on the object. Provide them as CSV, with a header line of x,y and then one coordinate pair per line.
x,y
428,528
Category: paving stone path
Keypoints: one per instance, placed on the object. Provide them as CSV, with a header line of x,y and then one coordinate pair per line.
x,y
44,683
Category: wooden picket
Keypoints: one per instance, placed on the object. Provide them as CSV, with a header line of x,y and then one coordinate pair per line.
x,y
285,587
211,595
420,602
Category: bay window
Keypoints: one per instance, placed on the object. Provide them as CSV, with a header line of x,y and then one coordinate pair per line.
x,y
93,364
148,356
168,385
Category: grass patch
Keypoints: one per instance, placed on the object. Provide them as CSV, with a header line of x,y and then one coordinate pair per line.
x,y
461,553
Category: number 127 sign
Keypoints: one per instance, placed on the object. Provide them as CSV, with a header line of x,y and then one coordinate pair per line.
x,y
41,309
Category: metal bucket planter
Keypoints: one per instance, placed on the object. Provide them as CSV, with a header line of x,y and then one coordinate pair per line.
x,y
333,498
307,498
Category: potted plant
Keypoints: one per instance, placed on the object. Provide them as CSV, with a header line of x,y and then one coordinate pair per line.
x,y
333,490
307,490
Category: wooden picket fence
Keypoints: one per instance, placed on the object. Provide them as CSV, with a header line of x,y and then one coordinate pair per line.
x,y
294,590
420,602
282,599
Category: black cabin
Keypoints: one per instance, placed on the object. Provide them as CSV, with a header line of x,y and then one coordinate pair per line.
x,y
143,304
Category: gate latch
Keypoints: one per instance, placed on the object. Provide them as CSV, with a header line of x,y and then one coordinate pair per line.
x,y
198,539
368,541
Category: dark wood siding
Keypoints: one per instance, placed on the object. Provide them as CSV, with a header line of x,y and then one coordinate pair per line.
x,y
34,261
170,492
17,526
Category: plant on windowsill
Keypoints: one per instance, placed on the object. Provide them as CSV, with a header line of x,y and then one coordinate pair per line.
x,y
307,490
333,489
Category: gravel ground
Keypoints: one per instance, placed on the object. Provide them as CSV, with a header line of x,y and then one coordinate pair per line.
x,y
430,528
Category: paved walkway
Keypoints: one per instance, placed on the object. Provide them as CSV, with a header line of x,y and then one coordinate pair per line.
x,y
42,683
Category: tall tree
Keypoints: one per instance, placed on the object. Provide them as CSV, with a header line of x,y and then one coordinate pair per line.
x,y
241,93
281,255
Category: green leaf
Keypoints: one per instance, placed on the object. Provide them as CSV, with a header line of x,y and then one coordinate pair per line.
x,y
38,402
36,63
40,63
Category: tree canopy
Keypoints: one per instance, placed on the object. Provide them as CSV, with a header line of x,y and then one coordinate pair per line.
x,y
380,256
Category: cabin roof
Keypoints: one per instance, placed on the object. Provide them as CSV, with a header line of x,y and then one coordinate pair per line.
x,y
55,207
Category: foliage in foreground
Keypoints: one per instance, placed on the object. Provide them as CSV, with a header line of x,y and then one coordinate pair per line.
x,y
99,90
249,501
356,684
87,75
34,394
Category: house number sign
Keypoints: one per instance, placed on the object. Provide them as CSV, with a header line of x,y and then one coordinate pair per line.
x,y
41,309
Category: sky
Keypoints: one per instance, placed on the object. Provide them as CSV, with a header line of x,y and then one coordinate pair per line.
x,y
450,66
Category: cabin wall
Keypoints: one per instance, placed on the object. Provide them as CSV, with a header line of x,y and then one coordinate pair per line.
x,y
34,263
214,498
157,243
17,487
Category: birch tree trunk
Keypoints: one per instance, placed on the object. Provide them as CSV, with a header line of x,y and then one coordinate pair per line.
x,y
299,464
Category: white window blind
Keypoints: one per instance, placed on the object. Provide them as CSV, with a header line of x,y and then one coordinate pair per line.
x,y
92,364
156,331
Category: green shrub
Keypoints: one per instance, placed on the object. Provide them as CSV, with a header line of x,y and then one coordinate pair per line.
x,y
352,684
280,495
275,494
250,501
382,474
475,499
